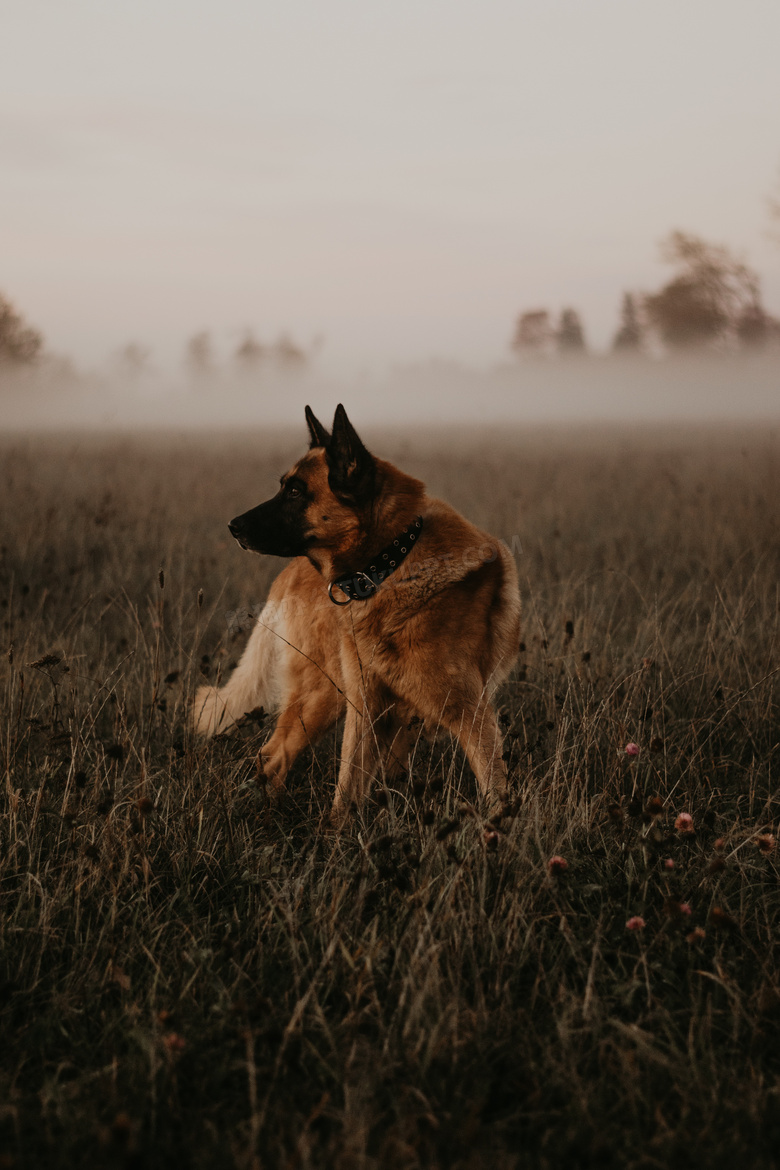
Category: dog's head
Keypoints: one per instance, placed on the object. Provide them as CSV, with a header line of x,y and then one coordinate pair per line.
x,y
322,499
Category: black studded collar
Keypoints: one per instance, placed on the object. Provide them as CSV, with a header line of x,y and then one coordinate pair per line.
x,y
364,584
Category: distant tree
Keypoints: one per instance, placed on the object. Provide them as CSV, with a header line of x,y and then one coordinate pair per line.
x,y
19,344
707,298
570,336
198,355
533,334
249,352
134,359
288,354
754,326
630,335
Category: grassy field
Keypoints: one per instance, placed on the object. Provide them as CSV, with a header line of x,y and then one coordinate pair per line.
x,y
192,977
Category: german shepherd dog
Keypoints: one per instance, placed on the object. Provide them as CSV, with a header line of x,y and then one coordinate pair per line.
x,y
394,612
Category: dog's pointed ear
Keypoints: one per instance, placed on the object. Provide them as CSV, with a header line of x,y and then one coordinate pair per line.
x,y
319,436
352,468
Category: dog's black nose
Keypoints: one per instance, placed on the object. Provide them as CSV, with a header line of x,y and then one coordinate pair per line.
x,y
235,528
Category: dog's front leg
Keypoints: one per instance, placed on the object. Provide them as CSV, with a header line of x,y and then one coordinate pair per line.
x,y
480,737
360,751
302,722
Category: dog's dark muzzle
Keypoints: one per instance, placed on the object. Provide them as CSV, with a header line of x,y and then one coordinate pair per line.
x,y
237,531
266,529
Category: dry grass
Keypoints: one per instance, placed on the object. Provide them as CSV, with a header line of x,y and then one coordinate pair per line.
x,y
192,977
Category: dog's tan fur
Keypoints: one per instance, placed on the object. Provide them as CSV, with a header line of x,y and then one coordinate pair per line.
x,y
429,648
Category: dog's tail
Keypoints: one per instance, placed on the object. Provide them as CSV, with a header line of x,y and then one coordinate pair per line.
x,y
257,681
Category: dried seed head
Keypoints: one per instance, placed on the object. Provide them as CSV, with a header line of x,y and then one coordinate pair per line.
x,y
655,806
492,837
557,865
47,660
720,918
118,976
121,1129
684,823
636,923
382,843
632,749
697,935
174,1044
765,842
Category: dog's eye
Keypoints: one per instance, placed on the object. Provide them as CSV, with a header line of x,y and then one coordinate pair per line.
x,y
293,492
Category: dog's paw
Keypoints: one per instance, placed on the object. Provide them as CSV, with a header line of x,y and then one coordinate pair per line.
x,y
339,815
274,779
497,805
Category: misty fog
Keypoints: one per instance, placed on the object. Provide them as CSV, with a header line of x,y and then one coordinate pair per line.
x,y
698,388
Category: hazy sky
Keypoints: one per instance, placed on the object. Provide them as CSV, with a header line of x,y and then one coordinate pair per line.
x,y
401,177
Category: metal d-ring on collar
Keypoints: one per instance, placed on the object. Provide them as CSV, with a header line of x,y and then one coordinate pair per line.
x,y
364,583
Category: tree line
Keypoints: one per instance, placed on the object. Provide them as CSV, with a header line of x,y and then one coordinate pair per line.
x,y
21,345
712,300
250,353
200,360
